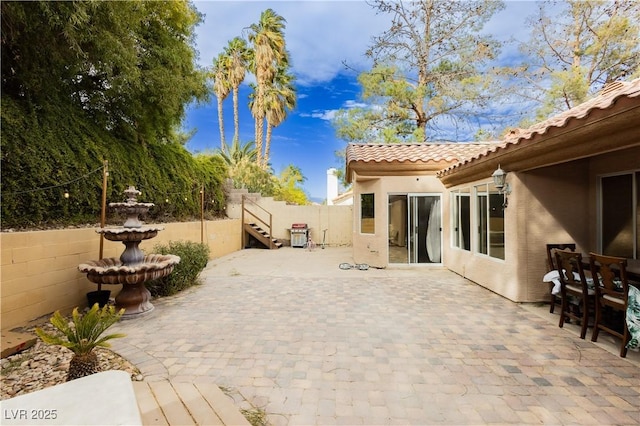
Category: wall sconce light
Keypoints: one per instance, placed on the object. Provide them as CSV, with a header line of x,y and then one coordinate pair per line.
x,y
500,182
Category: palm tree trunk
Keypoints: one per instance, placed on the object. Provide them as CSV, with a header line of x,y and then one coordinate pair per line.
x,y
267,145
83,365
259,122
236,119
223,146
259,137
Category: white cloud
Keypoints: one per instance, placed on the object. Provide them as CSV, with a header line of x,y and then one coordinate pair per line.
x,y
320,35
355,104
329,114
326,115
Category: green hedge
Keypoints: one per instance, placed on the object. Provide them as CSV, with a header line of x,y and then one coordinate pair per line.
x,y
52,149
193,259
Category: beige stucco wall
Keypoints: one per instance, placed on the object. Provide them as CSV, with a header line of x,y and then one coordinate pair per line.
x,y
40,269
555,204
545,206
555,209
337,220
498,275
548,205
370,248
373,249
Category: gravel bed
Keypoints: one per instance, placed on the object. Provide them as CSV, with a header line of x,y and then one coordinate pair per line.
x,y
44,365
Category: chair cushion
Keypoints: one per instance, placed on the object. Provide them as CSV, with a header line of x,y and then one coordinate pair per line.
x,y
577,289
613,299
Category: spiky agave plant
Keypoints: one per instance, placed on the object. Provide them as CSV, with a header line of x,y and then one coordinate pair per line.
x,y
82,335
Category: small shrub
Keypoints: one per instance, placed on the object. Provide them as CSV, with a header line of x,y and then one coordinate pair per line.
x,y
82,335
193,259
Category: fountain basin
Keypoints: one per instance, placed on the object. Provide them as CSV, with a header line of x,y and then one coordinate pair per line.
x,y
132,208
133,268
134,297
112,271
130,234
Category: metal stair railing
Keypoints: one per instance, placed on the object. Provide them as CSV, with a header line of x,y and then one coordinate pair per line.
x,y
258,218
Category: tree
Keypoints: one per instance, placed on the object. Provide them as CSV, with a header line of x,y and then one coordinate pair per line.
x,y
130,65
221,88
430,69
243,168
239,56
288,189
240,154
572,58
267,37
280,97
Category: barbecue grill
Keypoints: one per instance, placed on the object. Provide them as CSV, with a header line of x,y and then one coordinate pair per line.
x,y
299,234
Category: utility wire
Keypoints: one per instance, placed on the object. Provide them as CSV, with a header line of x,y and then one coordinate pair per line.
x,y
53,186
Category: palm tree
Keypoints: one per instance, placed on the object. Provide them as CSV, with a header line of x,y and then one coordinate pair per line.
x,y
82,335
244,170
221,88
240,154
239,56
280,96
269,50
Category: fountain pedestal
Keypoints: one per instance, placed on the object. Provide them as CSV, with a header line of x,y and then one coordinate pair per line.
x,y
133,268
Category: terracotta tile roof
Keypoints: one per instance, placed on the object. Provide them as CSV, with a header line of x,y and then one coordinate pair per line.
x,y
606,99
445,152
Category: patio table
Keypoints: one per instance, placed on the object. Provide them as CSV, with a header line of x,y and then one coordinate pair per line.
x,y
633,270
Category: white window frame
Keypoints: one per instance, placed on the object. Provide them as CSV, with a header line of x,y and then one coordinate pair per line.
x,y
456,219
485,189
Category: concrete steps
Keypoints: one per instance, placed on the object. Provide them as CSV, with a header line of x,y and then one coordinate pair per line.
x,y
180,403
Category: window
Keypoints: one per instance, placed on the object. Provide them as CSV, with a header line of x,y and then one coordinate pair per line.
x,y
367,214
461,219
620,215
490,220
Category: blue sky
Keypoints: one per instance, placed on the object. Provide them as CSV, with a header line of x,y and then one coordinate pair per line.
x,y
321,36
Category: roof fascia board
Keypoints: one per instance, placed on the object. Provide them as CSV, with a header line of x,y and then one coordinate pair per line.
x,y
604,130
395,168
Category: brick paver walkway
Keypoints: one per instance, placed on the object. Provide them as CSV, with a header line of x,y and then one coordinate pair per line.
x,y
312,344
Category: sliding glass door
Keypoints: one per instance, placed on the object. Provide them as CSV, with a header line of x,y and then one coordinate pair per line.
x,y
415,228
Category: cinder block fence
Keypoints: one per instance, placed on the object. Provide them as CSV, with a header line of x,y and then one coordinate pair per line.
x,y
39,271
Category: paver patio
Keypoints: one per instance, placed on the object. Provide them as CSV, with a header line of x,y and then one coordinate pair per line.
x,y
312,344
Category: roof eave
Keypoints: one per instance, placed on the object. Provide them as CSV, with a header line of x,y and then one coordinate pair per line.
x,y
394,168
601,131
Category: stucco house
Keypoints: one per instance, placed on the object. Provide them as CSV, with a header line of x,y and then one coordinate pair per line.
x,y
572,178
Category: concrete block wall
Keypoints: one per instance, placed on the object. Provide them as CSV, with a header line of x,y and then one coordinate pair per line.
x,y
39,269
337,220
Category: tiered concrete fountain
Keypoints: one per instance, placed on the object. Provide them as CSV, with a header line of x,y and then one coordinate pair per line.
x,y
133,268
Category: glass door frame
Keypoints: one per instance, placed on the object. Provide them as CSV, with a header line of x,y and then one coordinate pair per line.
x,y
635,199
411,211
